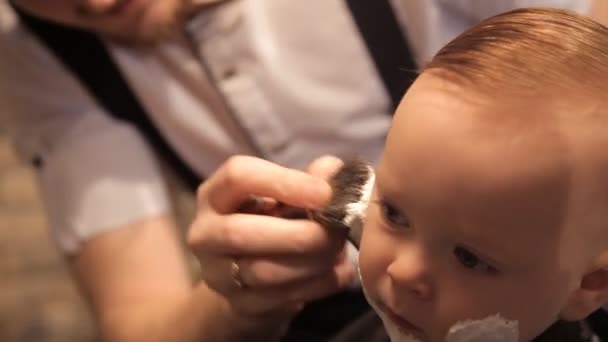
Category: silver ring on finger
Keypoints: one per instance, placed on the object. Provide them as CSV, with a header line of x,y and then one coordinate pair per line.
x,y
237,277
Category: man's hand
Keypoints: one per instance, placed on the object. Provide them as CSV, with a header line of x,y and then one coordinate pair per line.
x,y
280,263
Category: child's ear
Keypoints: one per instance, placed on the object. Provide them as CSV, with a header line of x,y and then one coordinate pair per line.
x,y
591,295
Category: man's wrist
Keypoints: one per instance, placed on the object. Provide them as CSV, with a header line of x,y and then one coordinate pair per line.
x,y
231,325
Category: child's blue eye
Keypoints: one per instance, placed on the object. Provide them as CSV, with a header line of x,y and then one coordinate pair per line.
x,y
392,215
469,260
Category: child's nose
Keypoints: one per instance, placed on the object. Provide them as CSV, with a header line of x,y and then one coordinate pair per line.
x,y
409,272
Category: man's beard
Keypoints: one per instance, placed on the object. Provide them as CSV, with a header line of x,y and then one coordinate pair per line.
x,y
162,20
168,27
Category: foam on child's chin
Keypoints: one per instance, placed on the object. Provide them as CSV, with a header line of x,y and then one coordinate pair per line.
x,y
490,329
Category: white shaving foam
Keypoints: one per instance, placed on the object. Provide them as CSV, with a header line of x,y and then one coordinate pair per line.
x,y
490,329
356,210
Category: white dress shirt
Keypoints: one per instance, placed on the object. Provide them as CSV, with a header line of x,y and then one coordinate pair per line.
x,y
295,75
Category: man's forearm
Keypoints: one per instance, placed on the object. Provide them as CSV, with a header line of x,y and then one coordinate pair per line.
x,y
200,316
207,317
138,284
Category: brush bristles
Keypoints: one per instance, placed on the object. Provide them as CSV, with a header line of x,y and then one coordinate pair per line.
x,y
351,187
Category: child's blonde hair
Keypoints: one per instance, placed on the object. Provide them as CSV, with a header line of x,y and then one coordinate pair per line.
x,y
528,49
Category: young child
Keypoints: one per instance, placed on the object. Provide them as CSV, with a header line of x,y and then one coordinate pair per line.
x,y
491,200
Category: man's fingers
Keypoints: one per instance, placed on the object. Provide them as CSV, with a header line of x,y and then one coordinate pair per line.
x,y
241,177
325,166
246,234
282,270
285,274
255,301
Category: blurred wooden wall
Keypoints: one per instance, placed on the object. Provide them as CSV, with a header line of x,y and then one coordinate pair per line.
x,y
38,300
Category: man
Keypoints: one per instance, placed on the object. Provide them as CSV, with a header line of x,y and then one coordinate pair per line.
x,y
284,80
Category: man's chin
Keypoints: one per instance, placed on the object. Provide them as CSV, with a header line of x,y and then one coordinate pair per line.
x,y
145,34
154,26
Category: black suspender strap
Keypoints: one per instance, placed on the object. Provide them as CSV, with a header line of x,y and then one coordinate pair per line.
x,y
85,55
386,44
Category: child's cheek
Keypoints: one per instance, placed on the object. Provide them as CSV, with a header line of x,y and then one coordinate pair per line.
x,y
375,254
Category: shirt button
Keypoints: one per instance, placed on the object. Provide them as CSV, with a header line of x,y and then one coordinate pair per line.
x,y
37,162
